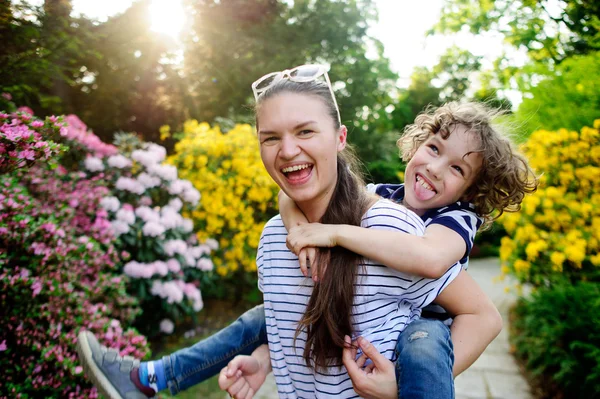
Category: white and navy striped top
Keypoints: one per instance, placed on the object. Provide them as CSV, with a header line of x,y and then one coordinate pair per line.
x,y
385,301
459,217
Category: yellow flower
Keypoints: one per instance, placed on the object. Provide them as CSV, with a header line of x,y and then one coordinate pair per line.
x,y
165,132
557,258
521,266
238,196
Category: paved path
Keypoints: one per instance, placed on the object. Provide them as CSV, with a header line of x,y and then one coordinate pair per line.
x,y
495,374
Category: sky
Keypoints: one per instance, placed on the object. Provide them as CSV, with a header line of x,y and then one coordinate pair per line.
x,y
401,28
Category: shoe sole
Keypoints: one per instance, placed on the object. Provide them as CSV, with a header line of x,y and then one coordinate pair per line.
x,y
93,372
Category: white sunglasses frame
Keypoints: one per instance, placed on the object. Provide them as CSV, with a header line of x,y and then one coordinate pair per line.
x,y
287,74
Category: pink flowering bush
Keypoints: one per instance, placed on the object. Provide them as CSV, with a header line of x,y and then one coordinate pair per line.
x,y
164,262
25,139
58,274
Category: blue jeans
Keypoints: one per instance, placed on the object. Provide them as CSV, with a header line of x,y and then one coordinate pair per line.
x,y
425,358
190,366
423,368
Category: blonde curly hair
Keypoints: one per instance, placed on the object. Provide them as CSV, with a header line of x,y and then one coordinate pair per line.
x,y
505,175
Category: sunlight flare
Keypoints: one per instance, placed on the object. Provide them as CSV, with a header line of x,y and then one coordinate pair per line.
x,y
166,16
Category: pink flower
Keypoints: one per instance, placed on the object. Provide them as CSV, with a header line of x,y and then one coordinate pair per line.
x,y
78,370
25,110
7,96
27,154
3,346
36,288
167,326
37,124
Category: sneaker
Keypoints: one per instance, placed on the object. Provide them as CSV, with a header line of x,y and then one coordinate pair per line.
x,y
114,376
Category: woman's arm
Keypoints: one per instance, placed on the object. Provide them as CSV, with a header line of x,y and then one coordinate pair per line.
x,y
476,323
426,256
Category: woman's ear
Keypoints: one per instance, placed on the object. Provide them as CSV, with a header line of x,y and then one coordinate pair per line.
x,y
342,134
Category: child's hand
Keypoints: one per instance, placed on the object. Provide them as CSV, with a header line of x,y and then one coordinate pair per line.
x,y
306,258
242,377
376,380
311,235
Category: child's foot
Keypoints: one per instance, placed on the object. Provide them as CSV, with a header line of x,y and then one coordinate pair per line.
x,y
115,377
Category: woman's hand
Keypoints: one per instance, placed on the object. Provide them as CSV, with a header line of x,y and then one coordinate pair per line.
x,y
242,377
375,381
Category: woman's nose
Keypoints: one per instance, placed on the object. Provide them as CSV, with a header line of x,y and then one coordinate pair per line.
x,y
289,147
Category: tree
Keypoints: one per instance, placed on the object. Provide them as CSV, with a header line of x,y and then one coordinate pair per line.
x,y
233,42
550,31
39,53
569,99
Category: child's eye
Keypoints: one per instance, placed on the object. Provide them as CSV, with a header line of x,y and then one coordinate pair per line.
x,y
433,148
458,169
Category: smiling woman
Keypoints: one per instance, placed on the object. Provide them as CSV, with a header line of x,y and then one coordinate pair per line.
x,y
166,16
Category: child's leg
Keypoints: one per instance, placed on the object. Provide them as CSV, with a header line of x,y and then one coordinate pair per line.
x,y
118,377
190,366
425,358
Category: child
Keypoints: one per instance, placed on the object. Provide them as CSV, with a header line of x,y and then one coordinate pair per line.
x,y
461,173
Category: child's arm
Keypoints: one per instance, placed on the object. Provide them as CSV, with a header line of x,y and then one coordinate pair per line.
x,y
291,215
476,322
427,256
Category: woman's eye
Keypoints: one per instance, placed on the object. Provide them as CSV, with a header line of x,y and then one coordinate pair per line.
x,y
305,131
270,139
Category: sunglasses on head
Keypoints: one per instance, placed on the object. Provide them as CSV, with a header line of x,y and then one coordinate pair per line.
x,y
299,74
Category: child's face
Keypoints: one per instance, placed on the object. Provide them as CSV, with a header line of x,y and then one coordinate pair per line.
x,y
440,171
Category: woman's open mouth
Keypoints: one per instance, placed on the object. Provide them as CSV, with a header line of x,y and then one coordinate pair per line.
x,y
297,174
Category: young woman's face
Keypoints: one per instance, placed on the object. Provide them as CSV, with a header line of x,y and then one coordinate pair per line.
x,y
440,171
299,146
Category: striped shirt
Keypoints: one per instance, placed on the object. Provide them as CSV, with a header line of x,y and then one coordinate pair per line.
x,y
459,217
385,301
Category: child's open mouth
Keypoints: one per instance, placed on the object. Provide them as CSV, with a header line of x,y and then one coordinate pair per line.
x,y
423,189
297,174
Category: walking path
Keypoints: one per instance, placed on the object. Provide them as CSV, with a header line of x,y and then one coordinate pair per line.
x,y
495,374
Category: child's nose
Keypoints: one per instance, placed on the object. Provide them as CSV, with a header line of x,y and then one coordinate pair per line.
x,y
434,170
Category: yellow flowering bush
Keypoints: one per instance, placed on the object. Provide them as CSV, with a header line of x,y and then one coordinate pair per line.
x,y
238,196
557,232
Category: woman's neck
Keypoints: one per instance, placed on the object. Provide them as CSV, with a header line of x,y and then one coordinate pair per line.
x,y
315,208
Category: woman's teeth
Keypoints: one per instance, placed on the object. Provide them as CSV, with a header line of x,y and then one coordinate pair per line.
x,y
295,168
424,183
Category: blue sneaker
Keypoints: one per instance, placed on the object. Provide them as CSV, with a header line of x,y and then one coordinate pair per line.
x,y
114,376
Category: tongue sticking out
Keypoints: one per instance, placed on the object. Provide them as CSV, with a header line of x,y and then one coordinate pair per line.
x,y
422,193
298,174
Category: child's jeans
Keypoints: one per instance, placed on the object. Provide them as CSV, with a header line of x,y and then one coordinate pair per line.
x,y
423,368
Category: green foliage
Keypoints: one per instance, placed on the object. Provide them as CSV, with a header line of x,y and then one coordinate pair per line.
x,y
557,333
550,31
575,82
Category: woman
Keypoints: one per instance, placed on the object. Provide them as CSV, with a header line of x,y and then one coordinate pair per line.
x,y
303,147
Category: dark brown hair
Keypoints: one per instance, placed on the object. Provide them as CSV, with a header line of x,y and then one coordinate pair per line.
x,y
505,175
328,315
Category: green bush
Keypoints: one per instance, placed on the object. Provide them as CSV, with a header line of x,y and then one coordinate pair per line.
x,y
556,333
